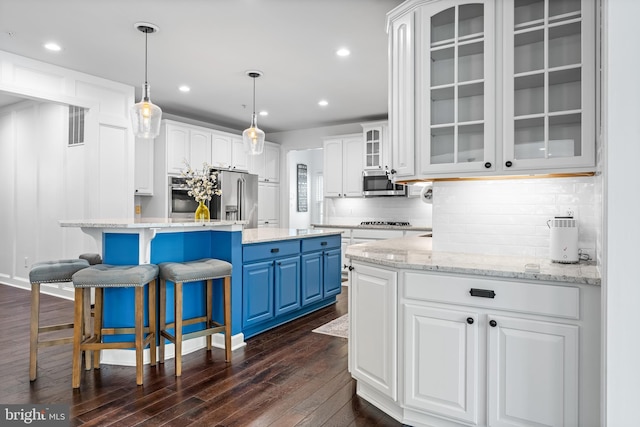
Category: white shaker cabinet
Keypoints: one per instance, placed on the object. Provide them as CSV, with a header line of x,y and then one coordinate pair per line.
x,y
185,144
222,150
267,164
343,165
268,204
144,166
373,316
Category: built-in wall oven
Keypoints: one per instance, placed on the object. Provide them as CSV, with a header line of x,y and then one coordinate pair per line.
x,y
181,204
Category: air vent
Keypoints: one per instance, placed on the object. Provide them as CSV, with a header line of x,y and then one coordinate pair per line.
x,y
76,125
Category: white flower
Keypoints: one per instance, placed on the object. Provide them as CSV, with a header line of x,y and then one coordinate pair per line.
x,y
200,183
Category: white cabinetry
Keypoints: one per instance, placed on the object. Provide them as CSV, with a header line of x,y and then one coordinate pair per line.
x,y
228,152
343,157
268,204
144,167
446,107
376,145
185,143
267,164
373,317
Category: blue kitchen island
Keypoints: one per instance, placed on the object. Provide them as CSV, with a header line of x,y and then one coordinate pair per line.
x,y
277,274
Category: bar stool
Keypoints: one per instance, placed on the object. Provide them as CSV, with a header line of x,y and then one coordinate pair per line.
x,y
101,276
48,272
184,272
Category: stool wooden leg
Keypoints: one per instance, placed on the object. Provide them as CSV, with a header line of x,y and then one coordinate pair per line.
x,y
97,324
139,328
77,336
35,325
163,317
152,322
86,327
209,296
227,318
177,301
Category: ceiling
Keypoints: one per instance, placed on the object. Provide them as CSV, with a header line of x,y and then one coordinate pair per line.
x,y
210,44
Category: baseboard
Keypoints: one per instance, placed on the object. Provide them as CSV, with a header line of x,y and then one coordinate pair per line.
x,y
128,357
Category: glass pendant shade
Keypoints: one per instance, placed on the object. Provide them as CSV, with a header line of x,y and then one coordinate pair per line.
x,y
253,138
145,117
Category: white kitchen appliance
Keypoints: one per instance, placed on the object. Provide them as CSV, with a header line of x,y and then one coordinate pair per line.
x,y
564,239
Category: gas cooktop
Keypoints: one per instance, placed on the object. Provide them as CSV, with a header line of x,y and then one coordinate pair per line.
x,y
396,223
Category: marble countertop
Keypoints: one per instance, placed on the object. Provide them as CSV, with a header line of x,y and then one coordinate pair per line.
x,y
146,223
416,253
257,235
373,227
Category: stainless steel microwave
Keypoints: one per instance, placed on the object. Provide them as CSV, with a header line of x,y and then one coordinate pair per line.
x,y
377,183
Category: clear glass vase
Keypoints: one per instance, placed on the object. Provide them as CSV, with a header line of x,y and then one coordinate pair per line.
x,y
202,213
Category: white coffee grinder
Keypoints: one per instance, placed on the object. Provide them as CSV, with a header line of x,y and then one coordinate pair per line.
x,y
564,239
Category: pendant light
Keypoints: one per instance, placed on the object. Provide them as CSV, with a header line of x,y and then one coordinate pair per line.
x,y
253,137
145,116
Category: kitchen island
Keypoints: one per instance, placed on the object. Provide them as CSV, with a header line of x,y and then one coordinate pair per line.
x,y
446,339
157,240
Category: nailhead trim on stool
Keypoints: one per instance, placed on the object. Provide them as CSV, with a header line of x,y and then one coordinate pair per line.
x,y
101,276
48,272
192,271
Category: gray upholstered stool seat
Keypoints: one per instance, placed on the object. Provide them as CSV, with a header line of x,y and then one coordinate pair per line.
x,y
48,272
102,276
92,258
205,269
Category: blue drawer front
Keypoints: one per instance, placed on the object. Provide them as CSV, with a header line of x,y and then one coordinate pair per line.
x,y
270,250
321,243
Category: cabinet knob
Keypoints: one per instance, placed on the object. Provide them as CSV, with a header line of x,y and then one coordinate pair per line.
x,y
493,323
487,165
350,268
470,320
508,163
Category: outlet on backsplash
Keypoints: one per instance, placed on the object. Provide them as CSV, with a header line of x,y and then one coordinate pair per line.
x,y
571,211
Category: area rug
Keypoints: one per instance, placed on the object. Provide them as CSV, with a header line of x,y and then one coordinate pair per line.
x,y
337,328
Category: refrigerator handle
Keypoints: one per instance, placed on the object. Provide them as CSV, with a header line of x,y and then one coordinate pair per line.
x,y
241,191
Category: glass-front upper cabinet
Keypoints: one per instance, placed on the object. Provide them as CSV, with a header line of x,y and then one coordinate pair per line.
x,y
375,144
456,112
549,84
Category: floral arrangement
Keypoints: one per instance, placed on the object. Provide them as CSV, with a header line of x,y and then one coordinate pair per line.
x,y
200,182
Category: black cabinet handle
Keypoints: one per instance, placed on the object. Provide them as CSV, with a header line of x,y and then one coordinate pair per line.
x,y
493,323
275,250
323,244
350,268
470,320
487,165
482,293
508,163
279,263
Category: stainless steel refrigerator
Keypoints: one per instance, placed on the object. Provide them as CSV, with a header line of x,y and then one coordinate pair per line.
x,y
239,199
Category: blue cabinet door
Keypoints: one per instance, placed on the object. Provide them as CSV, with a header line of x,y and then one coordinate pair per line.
x,y
311,277
257,292
332,280
287,285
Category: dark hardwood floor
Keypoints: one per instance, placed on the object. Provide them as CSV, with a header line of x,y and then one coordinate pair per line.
x,y
288,376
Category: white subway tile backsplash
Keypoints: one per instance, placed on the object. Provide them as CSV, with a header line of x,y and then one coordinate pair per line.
x,y
509,217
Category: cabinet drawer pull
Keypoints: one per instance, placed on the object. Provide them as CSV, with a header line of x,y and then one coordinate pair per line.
x,y
323,243
470,320
275,250
493,323
482,293
487,165
508,163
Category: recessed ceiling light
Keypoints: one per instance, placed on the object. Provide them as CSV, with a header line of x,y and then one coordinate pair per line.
x,y
343,51
264,113
54,47
184,88
323,103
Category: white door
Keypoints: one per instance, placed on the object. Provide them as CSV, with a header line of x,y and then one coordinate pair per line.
x,y
352,166
222,148
373,322
441,361
177,148
200,148
240,159
271,163
532,373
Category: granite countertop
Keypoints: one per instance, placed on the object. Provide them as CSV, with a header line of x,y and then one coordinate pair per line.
x,y
373,227
415,253
257,235
146,223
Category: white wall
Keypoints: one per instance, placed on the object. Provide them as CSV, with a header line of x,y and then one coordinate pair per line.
x,y
314,161
44,180
509,217
621,285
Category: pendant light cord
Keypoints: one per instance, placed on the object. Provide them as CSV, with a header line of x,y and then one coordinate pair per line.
x,y
146,39
254,95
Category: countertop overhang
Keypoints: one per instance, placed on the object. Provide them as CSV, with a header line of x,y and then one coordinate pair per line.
x,y
147,223
258,235
416,253
372,227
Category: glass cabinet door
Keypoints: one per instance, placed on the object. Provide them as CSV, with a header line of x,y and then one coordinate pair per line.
x,y
456,112
372,147
549,89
